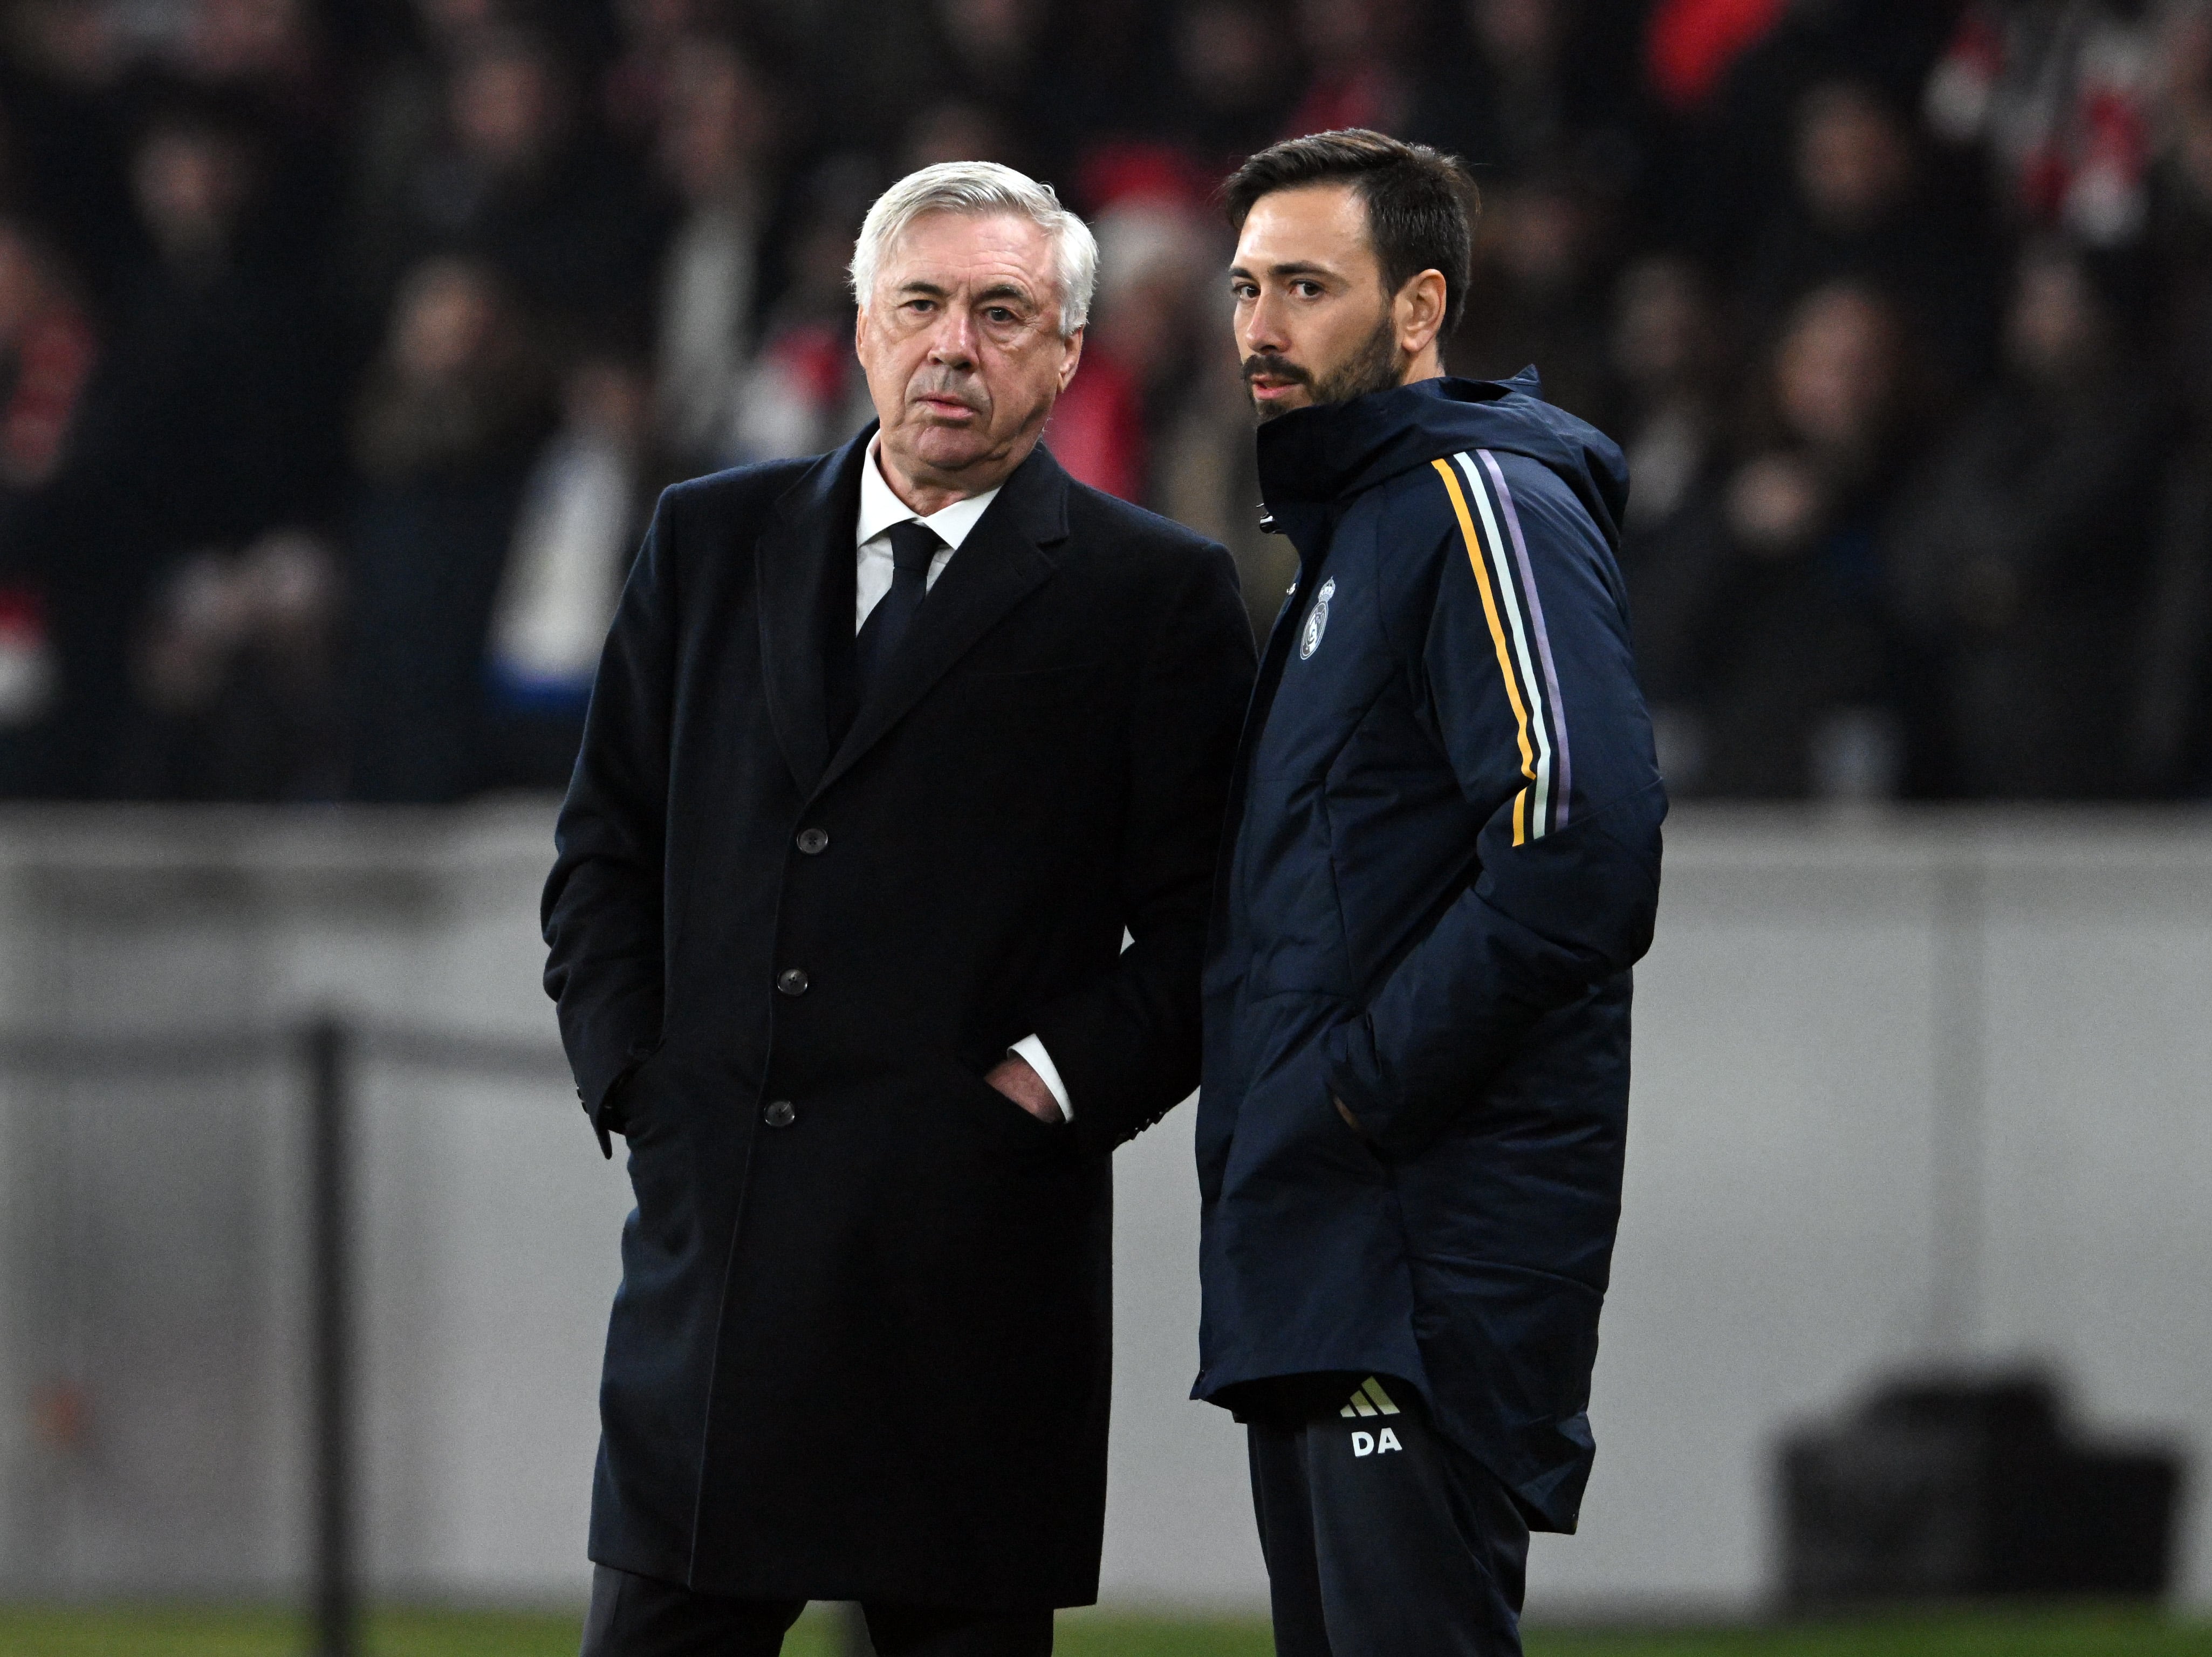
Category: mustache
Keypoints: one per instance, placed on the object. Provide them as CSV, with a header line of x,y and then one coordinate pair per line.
x,y
952,388
1274,367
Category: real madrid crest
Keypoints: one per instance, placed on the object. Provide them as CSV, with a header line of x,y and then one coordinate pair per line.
x,y
1317,623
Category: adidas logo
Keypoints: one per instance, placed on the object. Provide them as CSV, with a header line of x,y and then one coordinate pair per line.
x,y
1368,1399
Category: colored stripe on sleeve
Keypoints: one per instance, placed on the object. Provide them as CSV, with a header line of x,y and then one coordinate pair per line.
x,y
1509,602
1476,562
1558,705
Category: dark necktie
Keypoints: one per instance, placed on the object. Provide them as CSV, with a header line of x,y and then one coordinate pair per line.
x,y
914,544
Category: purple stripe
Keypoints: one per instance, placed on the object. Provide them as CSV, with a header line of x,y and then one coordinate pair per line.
x,y
1543,639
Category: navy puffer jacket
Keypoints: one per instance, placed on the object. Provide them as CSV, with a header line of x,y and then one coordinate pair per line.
x,y
1443,860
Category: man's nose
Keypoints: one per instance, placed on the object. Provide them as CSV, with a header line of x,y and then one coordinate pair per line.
x,y
1261,332
952,341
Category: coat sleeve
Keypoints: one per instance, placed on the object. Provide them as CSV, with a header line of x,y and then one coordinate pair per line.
x,y
1128,1045
1528,682
601,912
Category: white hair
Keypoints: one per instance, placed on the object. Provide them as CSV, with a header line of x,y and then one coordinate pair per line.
x,y
979,188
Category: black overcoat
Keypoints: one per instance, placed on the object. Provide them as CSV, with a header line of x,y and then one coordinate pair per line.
x,y
861,1347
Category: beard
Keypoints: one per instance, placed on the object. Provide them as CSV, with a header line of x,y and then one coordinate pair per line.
x,y
1374,366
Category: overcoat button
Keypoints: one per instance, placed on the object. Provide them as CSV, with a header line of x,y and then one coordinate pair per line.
x,y
813,842
791,981
779,1114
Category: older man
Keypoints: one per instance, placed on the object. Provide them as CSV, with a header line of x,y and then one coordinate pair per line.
x,y
887,749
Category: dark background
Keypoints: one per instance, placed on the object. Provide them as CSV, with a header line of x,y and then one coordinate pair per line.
x,y
343,346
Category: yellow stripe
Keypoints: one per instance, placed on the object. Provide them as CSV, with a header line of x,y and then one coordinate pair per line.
x,y
1496,638
1382,1400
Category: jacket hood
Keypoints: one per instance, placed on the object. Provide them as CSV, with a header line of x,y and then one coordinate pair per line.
x,y
1313,457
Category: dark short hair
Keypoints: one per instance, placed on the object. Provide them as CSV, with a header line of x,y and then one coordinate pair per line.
x,y
1421,204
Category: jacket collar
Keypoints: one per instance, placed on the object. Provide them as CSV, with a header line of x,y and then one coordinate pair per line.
x,y
1312,459
805,562
1314,455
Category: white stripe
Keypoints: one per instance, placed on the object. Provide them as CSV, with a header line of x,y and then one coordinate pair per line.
x,y
1531,686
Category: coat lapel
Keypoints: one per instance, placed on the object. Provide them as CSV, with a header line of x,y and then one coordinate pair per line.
x,y
1002,561
800,576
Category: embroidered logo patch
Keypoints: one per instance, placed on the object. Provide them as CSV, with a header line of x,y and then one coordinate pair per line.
x,y
1317,623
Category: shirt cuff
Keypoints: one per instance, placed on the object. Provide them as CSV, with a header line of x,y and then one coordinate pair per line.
x,y
1031,1050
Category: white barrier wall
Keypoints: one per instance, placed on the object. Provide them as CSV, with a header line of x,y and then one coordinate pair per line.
x,y
1909,1090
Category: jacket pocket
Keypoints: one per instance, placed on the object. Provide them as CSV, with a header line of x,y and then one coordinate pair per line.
x,y
1005,1125
1288,1131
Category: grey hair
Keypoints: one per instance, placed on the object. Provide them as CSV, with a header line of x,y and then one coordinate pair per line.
x,y
979,188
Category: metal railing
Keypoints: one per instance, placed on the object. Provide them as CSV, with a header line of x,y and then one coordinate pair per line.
x,y
323,1056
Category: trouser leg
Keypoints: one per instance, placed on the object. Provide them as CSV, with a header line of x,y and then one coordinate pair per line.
x,y
1385,1540
1421,1552
1284,1506
935,1631
634,1616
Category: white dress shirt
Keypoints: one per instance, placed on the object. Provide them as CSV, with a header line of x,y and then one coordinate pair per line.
x,y
880,509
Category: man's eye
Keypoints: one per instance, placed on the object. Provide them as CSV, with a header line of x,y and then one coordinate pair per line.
x,y
1306,289
999,313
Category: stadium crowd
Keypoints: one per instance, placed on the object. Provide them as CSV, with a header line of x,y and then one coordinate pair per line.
x,y
345,343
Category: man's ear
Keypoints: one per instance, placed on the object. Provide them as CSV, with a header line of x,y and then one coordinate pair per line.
x,y
1419,311
1074,342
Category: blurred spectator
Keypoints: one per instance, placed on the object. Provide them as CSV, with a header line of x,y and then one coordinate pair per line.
x,y
67,126
1862,209
191,435
1666,364
1142,349
1538,292
1730,150
713,144
1531,85
957,131
47,349
2173,750
397,132
2020,563
523,182
2058,92
1795,678
277,275
1209,479
452,416
992,61
262,59
1358,49
239,678
584,508
1234,86
659,39
2180,234
804,393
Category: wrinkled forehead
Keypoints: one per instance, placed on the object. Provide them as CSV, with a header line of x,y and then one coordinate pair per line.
x,y
971,252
